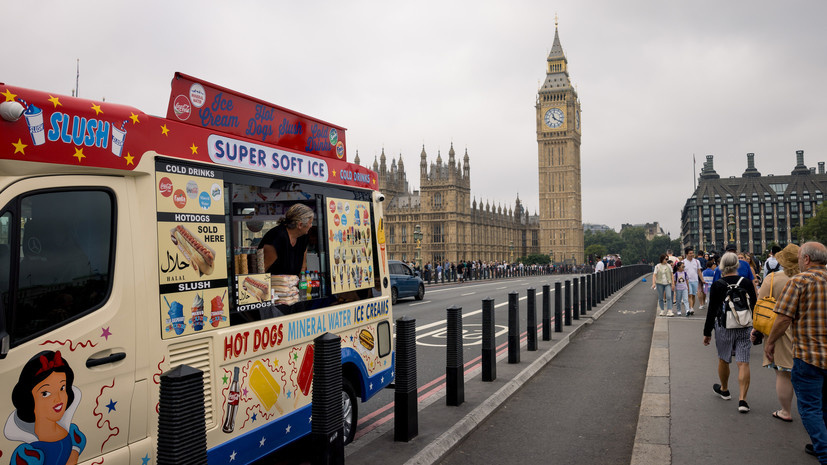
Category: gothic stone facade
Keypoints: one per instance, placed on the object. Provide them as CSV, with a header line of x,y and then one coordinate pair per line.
x,y
454,226
558,140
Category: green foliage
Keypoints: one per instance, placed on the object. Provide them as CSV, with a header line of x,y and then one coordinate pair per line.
x,y
595,252
631,245
534,259
815,228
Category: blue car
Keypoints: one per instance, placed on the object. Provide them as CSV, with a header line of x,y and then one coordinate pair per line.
x,y
404,282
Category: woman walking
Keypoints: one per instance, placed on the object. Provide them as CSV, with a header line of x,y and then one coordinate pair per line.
x,y
783,358
662,279
729,341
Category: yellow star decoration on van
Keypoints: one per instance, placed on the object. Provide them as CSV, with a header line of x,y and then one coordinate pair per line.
x,y
9,96
194,148
134,118
129,159
164,130
55,101
334,173
97,109
19,147
79,154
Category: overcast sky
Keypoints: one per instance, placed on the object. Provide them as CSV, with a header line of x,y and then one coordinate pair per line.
x,y
659,81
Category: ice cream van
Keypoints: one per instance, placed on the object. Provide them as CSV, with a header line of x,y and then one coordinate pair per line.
x,y
131,245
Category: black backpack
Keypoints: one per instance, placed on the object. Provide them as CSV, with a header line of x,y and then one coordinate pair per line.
x,y
736,299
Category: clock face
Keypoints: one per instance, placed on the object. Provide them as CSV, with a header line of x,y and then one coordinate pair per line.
x,y
554,118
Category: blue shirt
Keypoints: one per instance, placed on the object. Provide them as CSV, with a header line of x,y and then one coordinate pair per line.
x,y
743,270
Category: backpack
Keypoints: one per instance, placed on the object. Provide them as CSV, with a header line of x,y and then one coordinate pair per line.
x,y
737,312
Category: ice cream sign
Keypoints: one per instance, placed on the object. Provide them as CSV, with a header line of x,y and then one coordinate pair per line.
x,y
241,154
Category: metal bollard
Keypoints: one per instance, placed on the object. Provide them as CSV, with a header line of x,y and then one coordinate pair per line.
x,y
489,342
582,295
589,294
327,431
454,377
558,308
575,300
546,312
405,411
531,320
567,307
183,438
513,328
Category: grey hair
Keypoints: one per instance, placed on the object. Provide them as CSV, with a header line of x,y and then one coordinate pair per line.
x,y
729,263
297,213
816,251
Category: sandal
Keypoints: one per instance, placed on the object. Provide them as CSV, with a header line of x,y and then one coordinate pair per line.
x,y
775,414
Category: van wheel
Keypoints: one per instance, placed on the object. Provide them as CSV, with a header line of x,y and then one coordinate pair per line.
x,y
350,410
420,294
394,295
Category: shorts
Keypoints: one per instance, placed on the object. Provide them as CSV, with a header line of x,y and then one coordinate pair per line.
x,y
693,287
731,342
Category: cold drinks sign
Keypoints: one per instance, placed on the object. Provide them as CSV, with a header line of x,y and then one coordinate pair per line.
x,y
206,105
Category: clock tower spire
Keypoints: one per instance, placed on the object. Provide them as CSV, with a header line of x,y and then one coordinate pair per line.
x,y
558,157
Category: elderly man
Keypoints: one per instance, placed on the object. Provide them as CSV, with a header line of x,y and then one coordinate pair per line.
x,y
803,303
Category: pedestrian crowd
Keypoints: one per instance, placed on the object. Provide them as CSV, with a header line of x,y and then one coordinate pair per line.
x,y
468,270
781,303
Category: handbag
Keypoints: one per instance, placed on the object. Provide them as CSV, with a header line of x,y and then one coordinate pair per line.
x,y
764,315
736,305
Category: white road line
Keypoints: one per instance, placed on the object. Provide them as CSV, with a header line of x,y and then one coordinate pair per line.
x,y
464,315
420,303
470,293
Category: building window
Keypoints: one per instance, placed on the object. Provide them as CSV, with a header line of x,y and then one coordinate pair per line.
x,y
392,231
404,234
437,237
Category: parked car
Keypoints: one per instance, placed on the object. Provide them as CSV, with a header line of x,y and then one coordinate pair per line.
x,y
404,282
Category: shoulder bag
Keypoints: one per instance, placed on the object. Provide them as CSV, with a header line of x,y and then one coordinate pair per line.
x,y
764,315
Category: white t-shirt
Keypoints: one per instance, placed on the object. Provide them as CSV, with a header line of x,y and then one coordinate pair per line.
x,y
692,267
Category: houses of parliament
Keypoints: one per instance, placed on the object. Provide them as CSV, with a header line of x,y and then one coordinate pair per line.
x,y
456,227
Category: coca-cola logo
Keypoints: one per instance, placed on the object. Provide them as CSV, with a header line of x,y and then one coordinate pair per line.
x,y
232,398
179,198
165,186
181,107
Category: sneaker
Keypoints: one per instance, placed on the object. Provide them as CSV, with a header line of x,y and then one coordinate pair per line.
x,y
808,448
661,313
669,313
724,394
700,307
743,406
679,313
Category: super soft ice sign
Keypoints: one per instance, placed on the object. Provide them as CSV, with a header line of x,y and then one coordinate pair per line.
x,y
206,105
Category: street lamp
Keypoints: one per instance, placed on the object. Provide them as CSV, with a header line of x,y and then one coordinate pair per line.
x,y
418,238
731,225
511,250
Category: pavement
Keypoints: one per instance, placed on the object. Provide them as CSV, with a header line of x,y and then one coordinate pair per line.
x,y
619,385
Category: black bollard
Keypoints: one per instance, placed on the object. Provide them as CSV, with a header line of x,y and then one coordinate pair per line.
x,y
531,319
454,378
182,434
575,299
405,411
327,429
558,308
546,312
489,342
513,328
589,292
567,307
582,295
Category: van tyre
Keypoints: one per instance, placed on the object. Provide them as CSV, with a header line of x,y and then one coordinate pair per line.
x,y
420,294
350,410
394,295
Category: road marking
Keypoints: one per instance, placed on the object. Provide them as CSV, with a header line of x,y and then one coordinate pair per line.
x,y
469,293
474,335
504,287
627,312
420,303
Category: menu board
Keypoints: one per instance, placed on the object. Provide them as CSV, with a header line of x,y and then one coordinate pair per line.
x,y
192,253
350,245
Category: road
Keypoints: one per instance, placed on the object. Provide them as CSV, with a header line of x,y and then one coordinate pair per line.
x,y
376,415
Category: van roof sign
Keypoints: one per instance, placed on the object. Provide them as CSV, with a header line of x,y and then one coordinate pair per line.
x,y
200,103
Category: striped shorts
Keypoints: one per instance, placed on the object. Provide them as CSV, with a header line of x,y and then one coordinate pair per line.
x,y
733,342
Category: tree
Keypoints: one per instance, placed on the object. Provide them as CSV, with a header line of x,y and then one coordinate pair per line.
x,y
815,228
635,245
595,252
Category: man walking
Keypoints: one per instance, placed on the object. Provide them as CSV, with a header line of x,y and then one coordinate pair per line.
x,y
803,303
771,265
694,274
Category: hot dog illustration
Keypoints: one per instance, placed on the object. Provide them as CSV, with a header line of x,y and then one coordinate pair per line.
x,y
258,289
366,339
265,386
201,257
306,372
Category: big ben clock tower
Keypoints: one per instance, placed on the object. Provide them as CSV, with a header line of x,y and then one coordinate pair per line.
x,y
558,157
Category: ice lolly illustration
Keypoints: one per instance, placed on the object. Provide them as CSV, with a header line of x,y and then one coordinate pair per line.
x,y
265,386
305,376
217,310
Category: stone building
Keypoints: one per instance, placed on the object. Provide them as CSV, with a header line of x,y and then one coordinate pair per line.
x,y
650,230
756,210
454,225
558,140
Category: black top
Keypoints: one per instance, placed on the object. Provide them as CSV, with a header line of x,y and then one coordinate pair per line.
x,y
717,294
289,258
